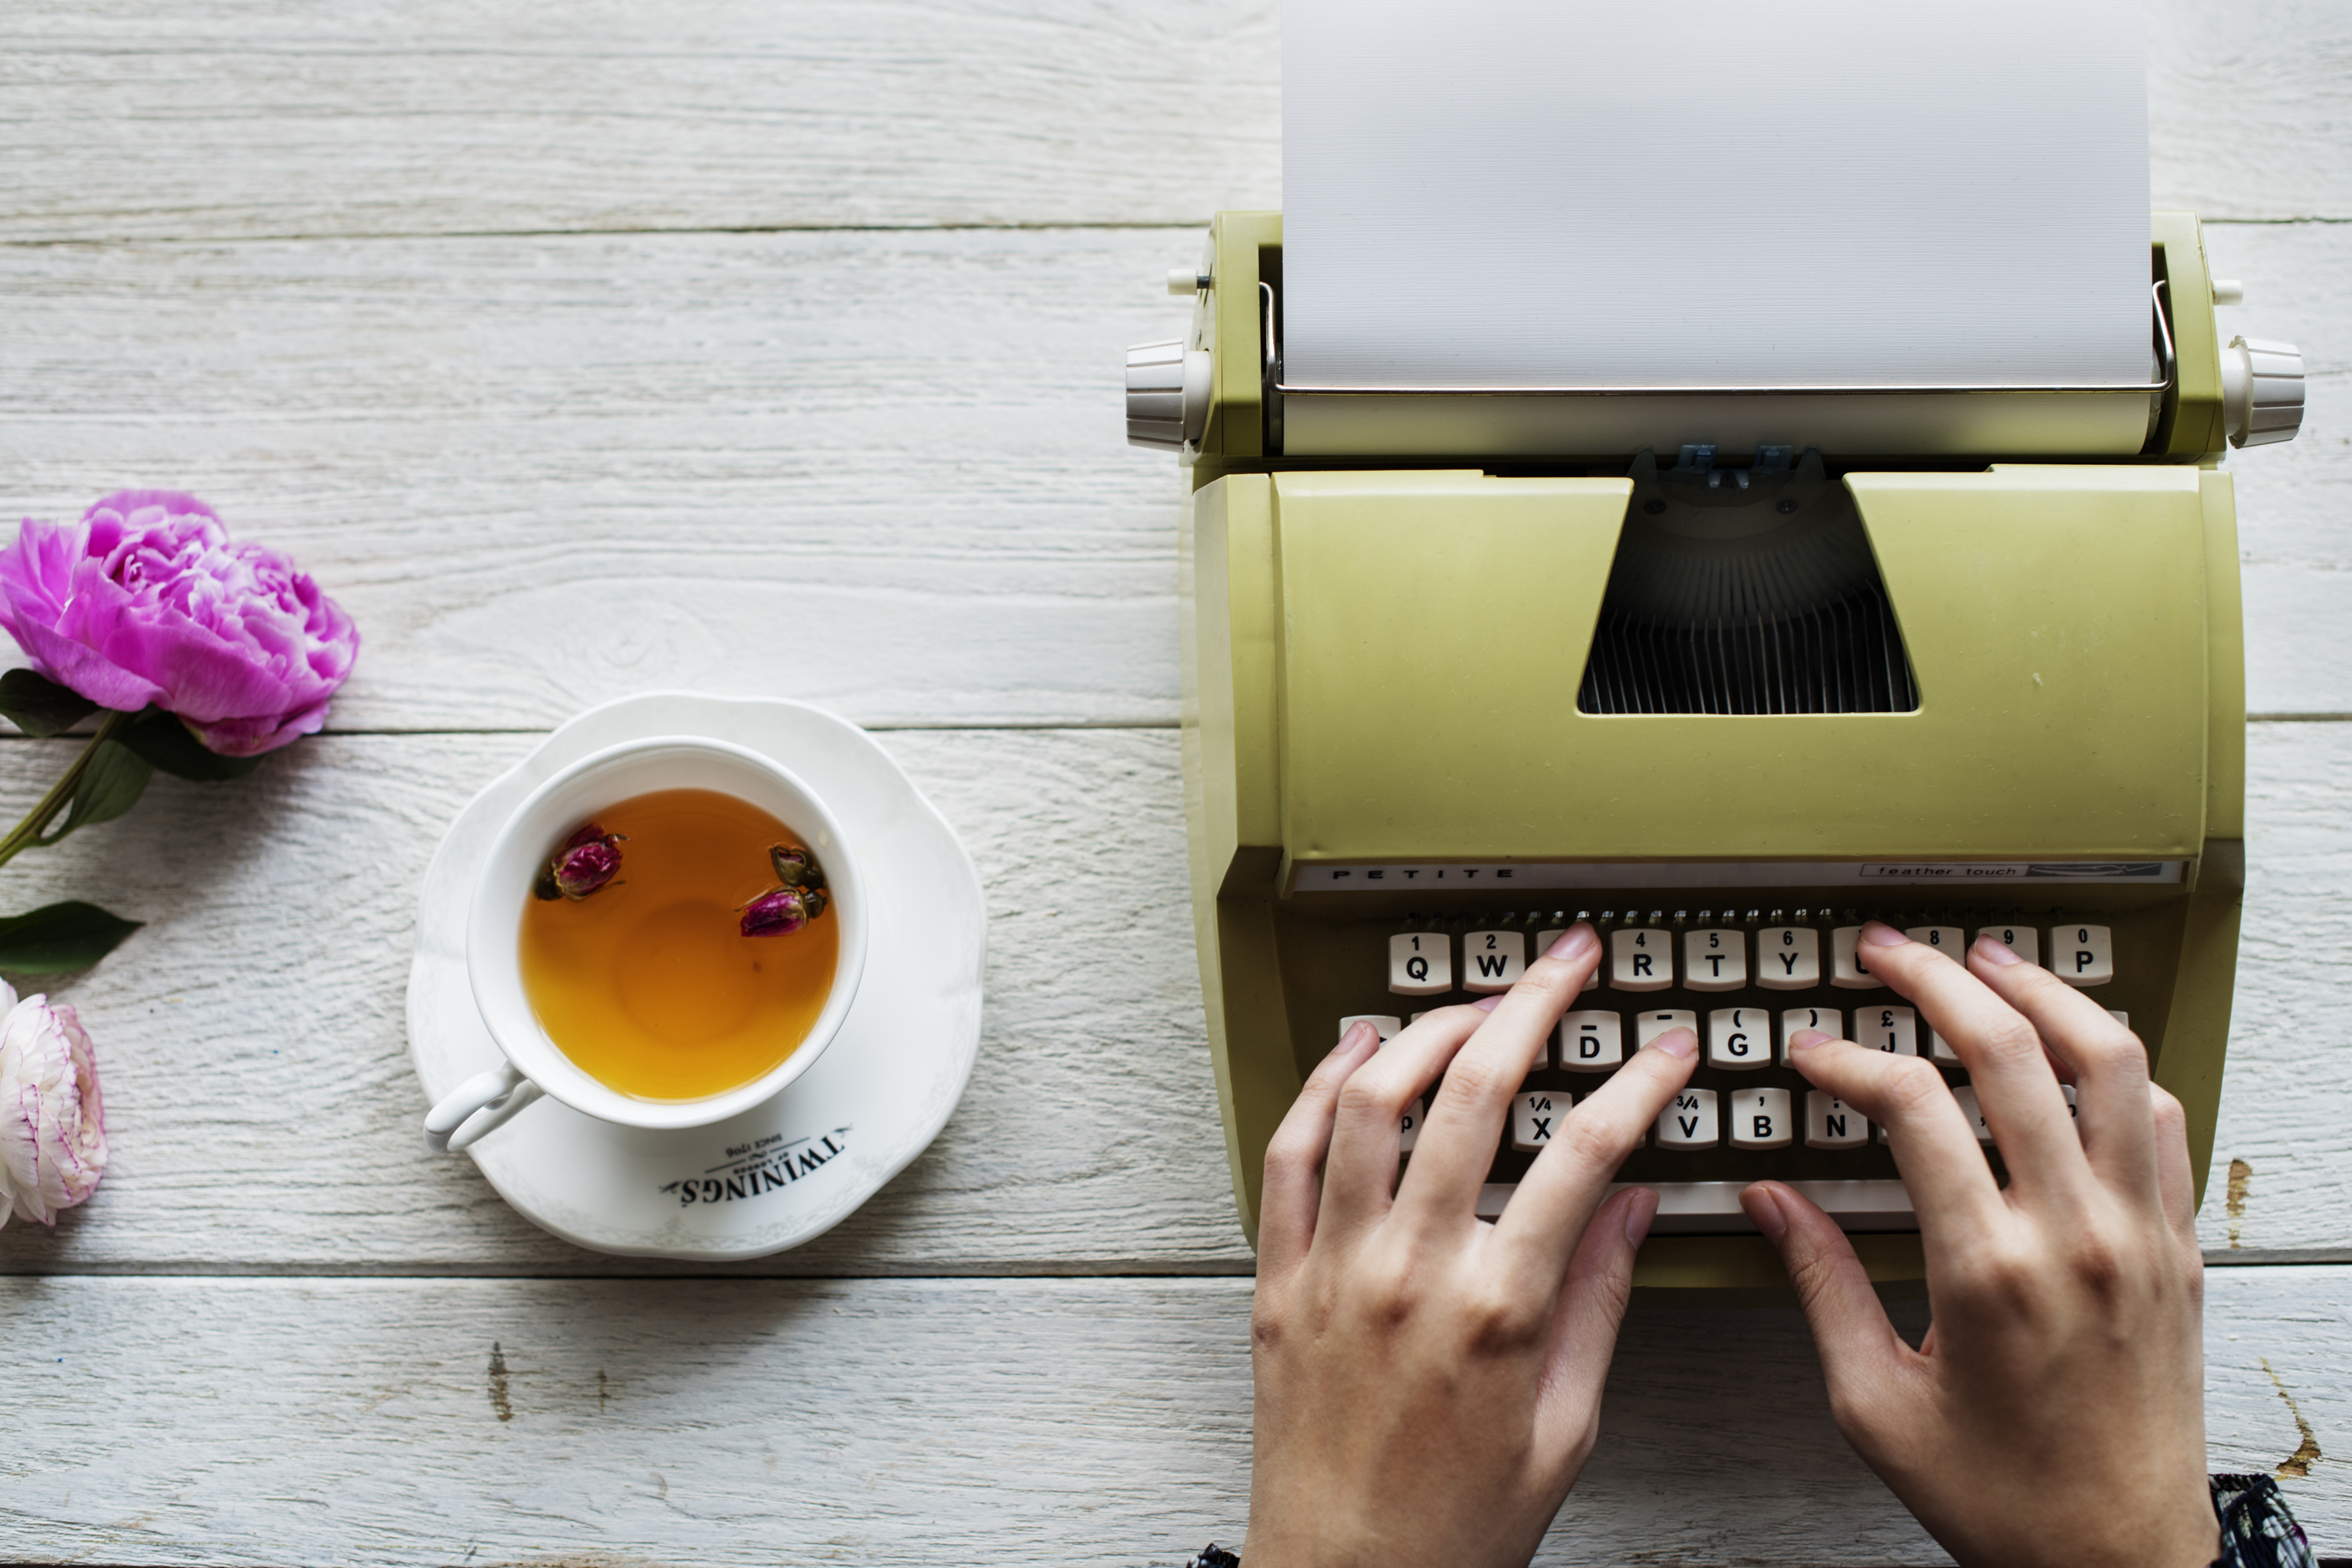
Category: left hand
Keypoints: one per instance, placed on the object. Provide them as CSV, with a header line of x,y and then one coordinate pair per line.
x,y
1428,1384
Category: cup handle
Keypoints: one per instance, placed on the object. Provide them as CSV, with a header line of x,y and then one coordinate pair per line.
x,y
478,1107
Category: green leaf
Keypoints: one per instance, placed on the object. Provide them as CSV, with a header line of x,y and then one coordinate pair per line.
x,y
38,706
170,747
58,938
109,786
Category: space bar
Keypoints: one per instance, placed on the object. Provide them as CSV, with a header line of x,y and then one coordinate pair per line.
x,y
1712,1207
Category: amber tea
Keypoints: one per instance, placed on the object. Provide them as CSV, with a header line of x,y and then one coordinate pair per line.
x,y
640,971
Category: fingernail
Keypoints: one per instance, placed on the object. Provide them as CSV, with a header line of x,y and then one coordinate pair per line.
x,y
1768,1216
1574,943
1993,952
1355,1037
1677,1042
1880,935
1805,1038
1638,1214
1487,1004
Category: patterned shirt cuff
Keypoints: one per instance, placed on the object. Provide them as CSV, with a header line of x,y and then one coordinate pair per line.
x,y
2257,1531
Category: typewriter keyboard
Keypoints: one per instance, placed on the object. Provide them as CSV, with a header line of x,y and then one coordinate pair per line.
x,y
1745,982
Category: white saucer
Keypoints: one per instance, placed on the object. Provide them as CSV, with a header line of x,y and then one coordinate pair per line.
x,y
793,1168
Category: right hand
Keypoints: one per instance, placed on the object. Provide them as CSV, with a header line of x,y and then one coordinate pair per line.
x,y
2054,1413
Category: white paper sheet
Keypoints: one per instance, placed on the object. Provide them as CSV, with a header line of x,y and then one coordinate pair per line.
x,y
1713,193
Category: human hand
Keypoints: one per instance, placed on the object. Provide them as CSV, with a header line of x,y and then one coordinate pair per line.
x,y
2054,1414
1428,1384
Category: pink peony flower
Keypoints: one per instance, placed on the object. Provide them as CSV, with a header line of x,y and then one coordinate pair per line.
x,y
52,1120
147,599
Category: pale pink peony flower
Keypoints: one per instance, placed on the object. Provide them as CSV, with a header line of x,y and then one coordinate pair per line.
x,y
52,1120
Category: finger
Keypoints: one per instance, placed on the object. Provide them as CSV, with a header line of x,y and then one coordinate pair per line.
x,y
1360,1172
1294,1157
1865,1360
2016,1090
1541,1223
1593,1298
2175,1179
1951,1184
2118,1135
1456,1146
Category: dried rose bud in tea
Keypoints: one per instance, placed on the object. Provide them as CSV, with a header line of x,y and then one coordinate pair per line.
x,y
589,859
795,867
777,914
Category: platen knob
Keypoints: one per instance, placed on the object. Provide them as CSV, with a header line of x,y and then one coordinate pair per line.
x,y
2261,392
1167,394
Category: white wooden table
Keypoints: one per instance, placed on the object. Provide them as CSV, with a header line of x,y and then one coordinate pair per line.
x,y
771,348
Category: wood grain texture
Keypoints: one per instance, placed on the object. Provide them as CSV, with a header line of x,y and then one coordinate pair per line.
x,y
2295,501
901,1421
2249,110
2278,1369
235,119
241,118
264,1113
884,472
2286,1100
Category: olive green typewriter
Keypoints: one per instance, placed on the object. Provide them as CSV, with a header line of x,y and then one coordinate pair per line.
x,y
1457,676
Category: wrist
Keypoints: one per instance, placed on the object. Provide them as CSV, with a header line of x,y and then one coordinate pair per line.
x,y
2186,1534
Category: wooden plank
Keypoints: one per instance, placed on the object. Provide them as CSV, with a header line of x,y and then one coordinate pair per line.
x,y
2286,1117
224,118
227,120
2248,120
263,1115
2278,1388
902,1421
882,472
2291,499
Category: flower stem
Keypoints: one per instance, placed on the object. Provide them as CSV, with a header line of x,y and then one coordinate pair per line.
x,y
27,833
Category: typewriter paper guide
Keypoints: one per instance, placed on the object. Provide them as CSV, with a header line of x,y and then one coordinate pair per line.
x,y
1711,193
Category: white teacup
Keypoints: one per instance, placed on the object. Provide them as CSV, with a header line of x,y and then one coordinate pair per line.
x,y
534,1065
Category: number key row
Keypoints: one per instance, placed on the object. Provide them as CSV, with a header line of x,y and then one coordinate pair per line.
x,y
1788,957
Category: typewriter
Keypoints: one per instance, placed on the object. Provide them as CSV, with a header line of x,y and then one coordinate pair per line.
x,y
1461,670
